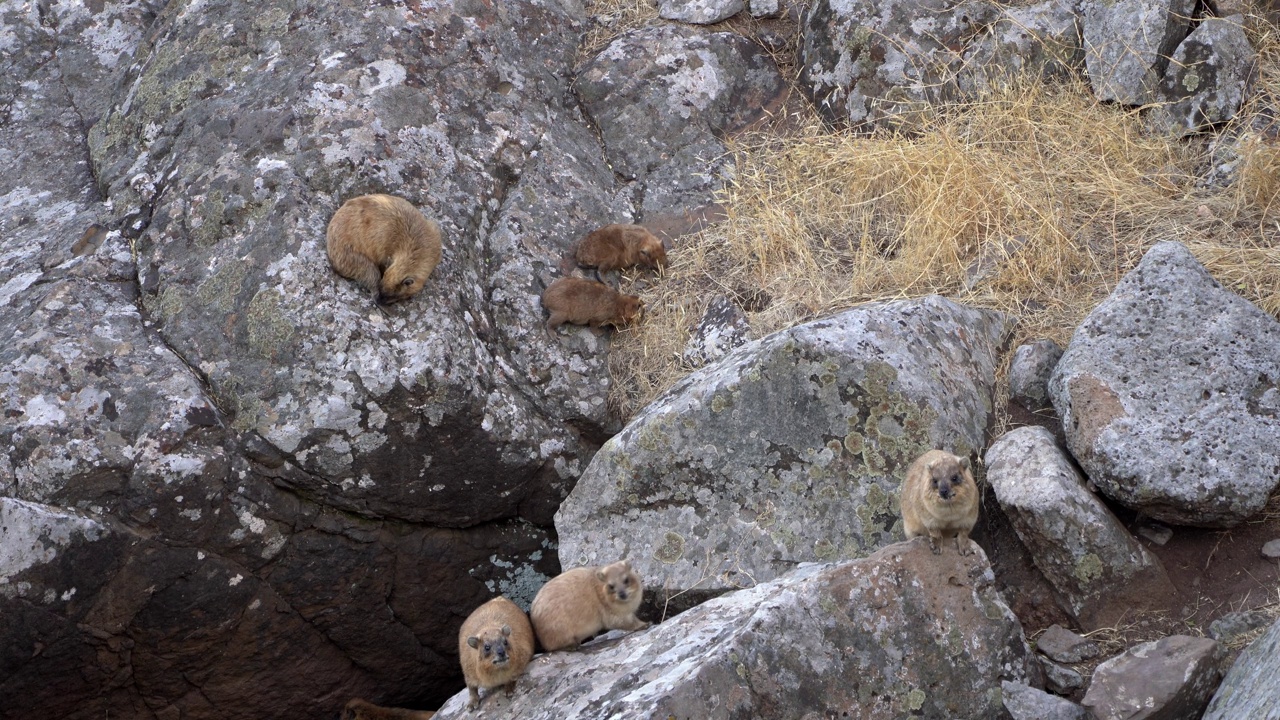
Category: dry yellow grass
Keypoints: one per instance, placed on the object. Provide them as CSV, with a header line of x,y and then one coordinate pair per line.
x,y
1034,201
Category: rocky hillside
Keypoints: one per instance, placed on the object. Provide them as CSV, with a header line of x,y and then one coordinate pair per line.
x,y
232,486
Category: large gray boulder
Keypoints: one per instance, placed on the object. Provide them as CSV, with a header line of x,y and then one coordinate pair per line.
x,y
1208,76
1128,44
1169,395
1249,689
789,449
902,633
1098,571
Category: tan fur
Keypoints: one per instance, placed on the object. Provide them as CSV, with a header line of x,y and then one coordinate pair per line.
x,y
613,247
385,244
587,302
924,509
358,709
578,604
494,646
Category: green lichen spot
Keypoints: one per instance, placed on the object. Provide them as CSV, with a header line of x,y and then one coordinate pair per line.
x,y
720,401
167,304
824,549
1088,569
219,290
853,443
915,699
671,549
1191,81
270,330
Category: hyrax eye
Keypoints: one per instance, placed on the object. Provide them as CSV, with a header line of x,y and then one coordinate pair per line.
x,y
955,479
487,648
407,282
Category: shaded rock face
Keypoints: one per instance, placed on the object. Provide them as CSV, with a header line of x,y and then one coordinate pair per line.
x,y
1169,393
663,97
1169,679
901,633
1128,44
789,449
1098,570
1249,688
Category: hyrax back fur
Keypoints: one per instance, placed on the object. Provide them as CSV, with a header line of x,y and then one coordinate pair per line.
x,y
358,709
494,645
613,247
576,605
940,499
385,244
587,302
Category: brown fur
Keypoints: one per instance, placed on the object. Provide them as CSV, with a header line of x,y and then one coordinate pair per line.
x,y
578,604
939,499
614,247
385,244
358,709
494,646
587,302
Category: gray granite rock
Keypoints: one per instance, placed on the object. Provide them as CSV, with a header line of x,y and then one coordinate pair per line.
x,y
765,8
1233,625
699,12
1208,77
1098,571
789,449
1168,679
1066,646
902,633
1169,393
1128,44
1027,703
1249,688
1029,373
1271,549
1060,679
722,328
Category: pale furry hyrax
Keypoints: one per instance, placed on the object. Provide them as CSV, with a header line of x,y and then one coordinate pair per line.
x,y
587,302
494,645
358,709
385,244
614,247
939,499
576,605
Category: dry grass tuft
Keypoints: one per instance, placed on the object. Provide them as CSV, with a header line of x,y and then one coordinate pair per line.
x,y
1033,201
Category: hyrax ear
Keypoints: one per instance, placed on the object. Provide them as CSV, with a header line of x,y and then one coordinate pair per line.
x,y
626,564
964,462
600,574
473,641
506,631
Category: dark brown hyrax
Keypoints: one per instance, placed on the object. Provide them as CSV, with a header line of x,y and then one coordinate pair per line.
x,y
587,302
614,247
940,500
494,646
577,605
385,244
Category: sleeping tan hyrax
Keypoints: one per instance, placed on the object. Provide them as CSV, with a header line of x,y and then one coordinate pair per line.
x,y
494,645
940,499
385,244
614,247
358,709
578,604
587,302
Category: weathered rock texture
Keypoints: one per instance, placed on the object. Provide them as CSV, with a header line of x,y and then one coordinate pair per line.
x,y
1029,373
1169,679
722,328
1169,393
1128,43
1027,703
1208,76
899,634
1249,689
702,12
789,449
1099,572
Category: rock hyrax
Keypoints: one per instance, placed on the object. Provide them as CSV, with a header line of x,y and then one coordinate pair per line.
x,y
940,499
576,605
385,244
358,709
613,247
494,645
587,302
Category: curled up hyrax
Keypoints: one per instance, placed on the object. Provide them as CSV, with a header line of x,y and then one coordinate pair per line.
x,y
940,500
385,244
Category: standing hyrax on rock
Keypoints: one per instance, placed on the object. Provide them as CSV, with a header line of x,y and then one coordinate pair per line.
x,y
494,645
385,244
613,247
576,605
358,709
940,499
587,302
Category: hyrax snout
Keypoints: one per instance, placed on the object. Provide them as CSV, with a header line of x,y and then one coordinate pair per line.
x,y
494,646
614,247
587,302
385,244
580,603
940,500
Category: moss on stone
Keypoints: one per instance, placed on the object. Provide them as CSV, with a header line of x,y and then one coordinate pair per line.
x,y
270,330
671,550
1088,569
219,290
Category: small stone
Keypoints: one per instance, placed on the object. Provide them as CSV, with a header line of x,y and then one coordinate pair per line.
x,y
699,12
1155,532
1060,679
1271,550
1029,373
1065,646
765,8
1027,703
1231,626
